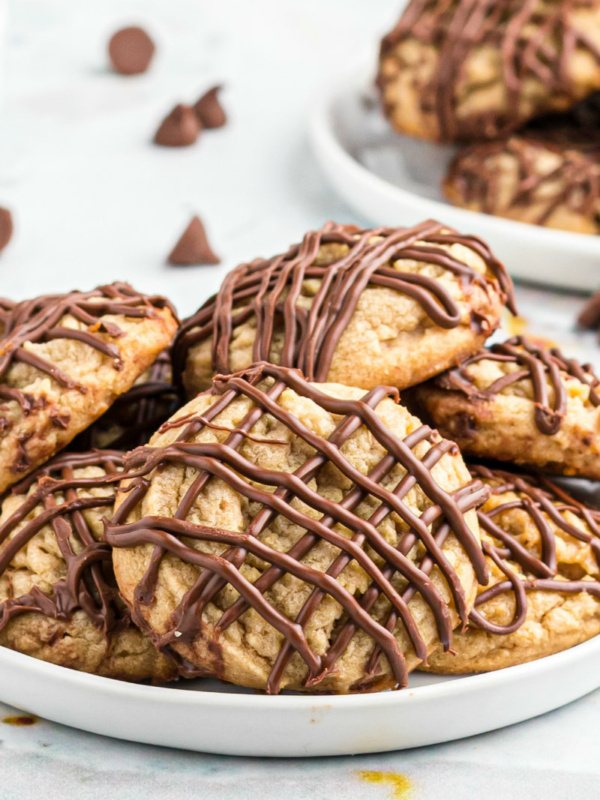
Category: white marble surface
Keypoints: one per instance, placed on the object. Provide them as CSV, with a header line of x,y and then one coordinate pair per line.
x,y
94,201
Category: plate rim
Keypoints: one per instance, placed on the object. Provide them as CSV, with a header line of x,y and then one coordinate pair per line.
x,y
470,683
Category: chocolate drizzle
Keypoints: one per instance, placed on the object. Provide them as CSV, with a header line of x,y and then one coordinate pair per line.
x,y
539,365
269,291
546,504
88,583
535,41
39,320
135,415
477,176
222,460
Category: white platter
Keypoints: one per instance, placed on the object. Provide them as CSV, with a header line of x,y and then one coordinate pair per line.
x,y
395,180
214,718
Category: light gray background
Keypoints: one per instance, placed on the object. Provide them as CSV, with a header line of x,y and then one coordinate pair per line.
x,y
94,201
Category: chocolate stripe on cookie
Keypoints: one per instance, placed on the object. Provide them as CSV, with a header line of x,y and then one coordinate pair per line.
x,y
290,492
535,41
540,365
38,320
268,291
544,502
478,174
58,492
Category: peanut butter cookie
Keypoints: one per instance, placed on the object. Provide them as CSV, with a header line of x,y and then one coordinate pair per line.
x,y
539,179
466,70
58,597
286,535
523,403
543,553
64,359
352,306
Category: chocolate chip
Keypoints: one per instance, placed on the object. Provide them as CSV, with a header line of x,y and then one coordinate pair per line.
x,y
130,51
589,316
6,227
193,247
209,110
59,420
179,129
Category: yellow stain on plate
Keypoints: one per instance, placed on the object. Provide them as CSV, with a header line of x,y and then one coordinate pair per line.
x,y
20,721
401,786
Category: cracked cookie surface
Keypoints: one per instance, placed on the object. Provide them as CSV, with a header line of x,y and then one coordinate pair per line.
x,y
520,402
531,179
466,71
543,552
352,306
273,530
64,359
58,597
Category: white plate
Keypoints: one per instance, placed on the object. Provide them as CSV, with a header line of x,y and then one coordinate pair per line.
x,y
395,180
432,709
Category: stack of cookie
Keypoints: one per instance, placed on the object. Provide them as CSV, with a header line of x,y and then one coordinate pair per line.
x,y
294,525
515,82
68,363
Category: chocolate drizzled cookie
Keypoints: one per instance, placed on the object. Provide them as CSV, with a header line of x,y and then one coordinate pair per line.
x,y
543,551
465,70
58,597
358,306
520,402
63,361
135,415
545,176
316,538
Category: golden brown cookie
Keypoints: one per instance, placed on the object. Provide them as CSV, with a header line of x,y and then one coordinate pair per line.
x,y
523,403
530,179
58,597
135,415
466,71
64,359
351,306
282,535
543,553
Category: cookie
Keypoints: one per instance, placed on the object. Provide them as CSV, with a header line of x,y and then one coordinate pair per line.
x,y
531,178
520,402
352,306
282,535
466,71
543,553
58,597
135,415
64,359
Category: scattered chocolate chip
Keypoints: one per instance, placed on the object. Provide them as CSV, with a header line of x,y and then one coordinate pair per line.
x,y
209,110
6,227
589,317
193,247
130,51
179,129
